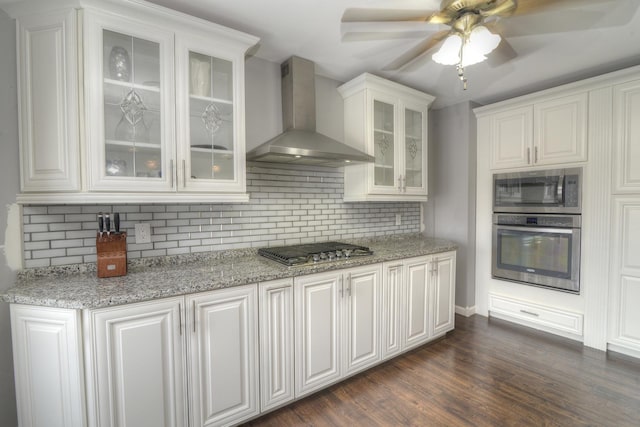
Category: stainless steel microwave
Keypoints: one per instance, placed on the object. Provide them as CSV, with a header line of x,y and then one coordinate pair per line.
x,y
539,191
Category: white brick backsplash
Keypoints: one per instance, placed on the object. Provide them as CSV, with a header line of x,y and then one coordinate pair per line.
x,y
288,205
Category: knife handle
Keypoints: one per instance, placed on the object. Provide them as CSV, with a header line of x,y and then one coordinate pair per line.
x,y
116,222
107,224
100,223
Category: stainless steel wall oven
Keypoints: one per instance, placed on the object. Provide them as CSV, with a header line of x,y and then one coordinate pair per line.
x,y
541,250
537,228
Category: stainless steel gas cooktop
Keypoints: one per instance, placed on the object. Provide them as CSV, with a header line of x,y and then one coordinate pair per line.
x,y
314,252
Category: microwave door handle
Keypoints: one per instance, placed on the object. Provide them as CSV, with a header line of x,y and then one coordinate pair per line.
x,y
560,189
522,228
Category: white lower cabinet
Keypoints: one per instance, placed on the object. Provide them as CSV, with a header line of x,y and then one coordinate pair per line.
x,y
336,325
276,343
135,365
222,357
47,354
444,286
223,372
137,361
419,298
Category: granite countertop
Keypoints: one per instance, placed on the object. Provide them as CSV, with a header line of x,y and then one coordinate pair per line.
x,y
78,287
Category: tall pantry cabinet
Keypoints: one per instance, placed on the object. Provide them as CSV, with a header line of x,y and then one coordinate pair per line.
x,y
624,317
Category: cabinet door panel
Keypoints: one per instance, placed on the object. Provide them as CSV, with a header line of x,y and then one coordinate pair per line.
x,y
414,179
417,299
560,130
626,134
223,378
392,298
48,90
130,104
384,113
362,318
511,134
444,284
276,343
317,325
48,366
136,364
210,121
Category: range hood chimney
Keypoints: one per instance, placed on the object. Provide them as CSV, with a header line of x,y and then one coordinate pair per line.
x,y
300,143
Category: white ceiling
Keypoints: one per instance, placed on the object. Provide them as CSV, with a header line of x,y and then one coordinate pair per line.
x,y
312,29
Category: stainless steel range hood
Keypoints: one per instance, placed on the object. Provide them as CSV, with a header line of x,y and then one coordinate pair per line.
x,y
300,143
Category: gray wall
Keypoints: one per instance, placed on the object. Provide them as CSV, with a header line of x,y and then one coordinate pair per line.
x,y
450,211
8,189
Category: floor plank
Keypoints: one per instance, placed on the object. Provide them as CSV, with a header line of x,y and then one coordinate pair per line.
x,y
487,372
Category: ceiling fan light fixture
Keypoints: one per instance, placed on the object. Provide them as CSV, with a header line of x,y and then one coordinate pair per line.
x,y
449,52
478,44
483,41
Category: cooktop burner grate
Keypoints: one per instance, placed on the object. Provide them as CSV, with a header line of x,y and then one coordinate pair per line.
x,y
314,252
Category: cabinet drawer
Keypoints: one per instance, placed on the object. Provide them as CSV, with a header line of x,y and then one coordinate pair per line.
x,y
536,315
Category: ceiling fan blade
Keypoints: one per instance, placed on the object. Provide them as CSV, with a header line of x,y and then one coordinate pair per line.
x,y
385,15
561,21
500,8
417,51
501,55
535,6
376,35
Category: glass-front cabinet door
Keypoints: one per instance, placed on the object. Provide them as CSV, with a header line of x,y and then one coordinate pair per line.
x,y
414,179
209,125
385,143
129,88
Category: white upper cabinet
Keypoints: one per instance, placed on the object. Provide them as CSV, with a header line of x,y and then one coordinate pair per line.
x,y
388,121
48,93
626,137
161,116
210,93
129,95
548,132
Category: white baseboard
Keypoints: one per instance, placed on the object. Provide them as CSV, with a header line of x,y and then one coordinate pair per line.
x,y
466,311
623,349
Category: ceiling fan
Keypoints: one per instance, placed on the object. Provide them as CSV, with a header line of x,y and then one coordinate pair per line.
x,y
474,28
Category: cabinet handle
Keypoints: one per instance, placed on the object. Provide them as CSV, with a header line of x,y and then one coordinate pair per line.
x,y
530,313
395,266
180,318
535,155
184,173
341,288
349,284
171,171
404,183
528,155
194,316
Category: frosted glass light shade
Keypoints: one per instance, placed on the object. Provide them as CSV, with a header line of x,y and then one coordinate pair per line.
x,y
481,42
449,52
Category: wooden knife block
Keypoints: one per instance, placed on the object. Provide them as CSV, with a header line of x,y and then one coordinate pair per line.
x,y
112,254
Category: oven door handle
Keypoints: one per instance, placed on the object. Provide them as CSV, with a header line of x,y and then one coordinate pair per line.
x,y
536,229
560,189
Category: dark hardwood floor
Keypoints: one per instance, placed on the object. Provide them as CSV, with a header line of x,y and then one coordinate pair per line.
x,y
487,372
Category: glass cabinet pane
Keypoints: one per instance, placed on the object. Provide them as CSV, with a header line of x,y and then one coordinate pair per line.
x,y
414,144
384,143
131,88
211,117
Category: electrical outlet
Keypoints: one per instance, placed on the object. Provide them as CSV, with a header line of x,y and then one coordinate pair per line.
x,y
143,233
398,219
